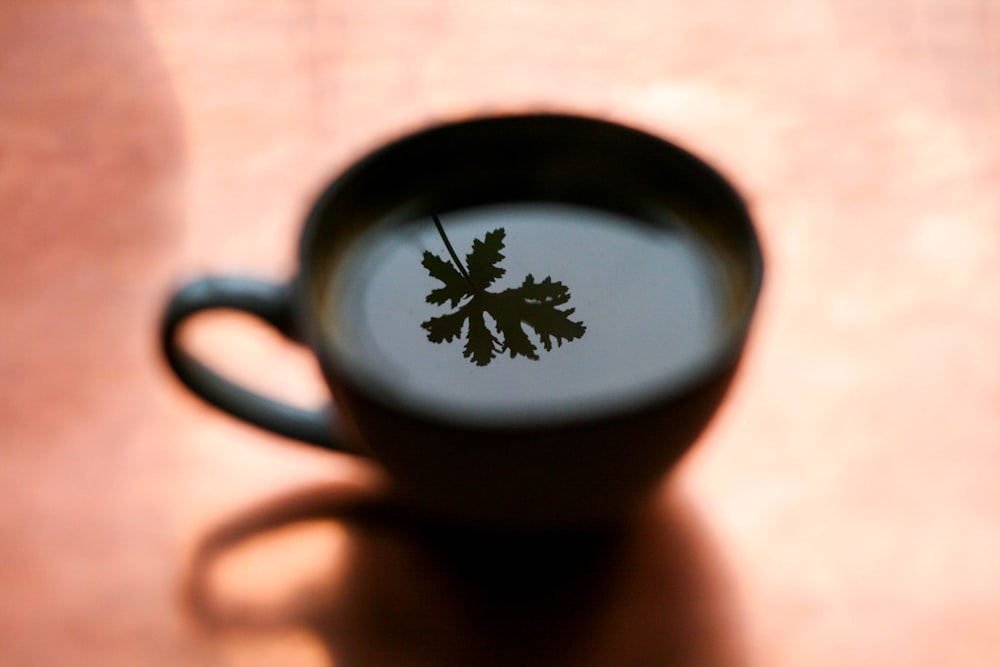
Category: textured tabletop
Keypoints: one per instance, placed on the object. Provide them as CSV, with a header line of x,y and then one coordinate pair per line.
x,y
844,507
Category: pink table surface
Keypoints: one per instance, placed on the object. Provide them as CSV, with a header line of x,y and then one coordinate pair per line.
x,y
844,508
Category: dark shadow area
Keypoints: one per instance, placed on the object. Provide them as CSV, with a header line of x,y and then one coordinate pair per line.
x,y
647,593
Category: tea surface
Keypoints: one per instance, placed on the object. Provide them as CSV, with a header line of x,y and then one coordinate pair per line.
x,y
550,310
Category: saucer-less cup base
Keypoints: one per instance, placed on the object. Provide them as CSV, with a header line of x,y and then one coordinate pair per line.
x,y
579,469
578,475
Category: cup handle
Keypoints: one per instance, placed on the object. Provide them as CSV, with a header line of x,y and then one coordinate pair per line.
x,y
270,302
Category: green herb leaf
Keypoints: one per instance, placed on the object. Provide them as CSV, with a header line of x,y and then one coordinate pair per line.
x,y
455,286
482,261
533,304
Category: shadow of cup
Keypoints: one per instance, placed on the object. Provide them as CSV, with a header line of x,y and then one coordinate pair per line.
x,y
647,592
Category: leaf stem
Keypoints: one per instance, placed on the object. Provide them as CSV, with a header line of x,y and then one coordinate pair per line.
x,y
451,251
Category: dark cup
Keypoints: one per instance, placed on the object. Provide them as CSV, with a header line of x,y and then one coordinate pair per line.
x,y
575,468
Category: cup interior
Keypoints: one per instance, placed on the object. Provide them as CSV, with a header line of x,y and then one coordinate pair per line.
x,y
531,159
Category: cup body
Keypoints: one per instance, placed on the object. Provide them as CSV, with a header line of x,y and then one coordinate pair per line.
x,y
590,469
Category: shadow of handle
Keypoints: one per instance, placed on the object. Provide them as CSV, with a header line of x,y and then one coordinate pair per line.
x,y
270,302
340,504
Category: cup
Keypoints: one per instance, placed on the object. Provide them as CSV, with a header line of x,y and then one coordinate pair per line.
x,y
548,379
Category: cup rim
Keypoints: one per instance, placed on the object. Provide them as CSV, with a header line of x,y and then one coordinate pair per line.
x,y
342,369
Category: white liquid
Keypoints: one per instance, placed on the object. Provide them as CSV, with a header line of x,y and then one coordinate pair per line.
x,y
648,295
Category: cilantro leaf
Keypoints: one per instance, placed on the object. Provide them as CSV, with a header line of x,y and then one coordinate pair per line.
x,y
482,261
446,327
540,313
455,286
534,304
480,345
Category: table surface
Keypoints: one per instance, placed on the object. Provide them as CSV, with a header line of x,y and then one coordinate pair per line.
x,y
844,507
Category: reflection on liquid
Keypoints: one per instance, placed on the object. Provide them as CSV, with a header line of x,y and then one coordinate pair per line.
x,y
535,304
648,294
